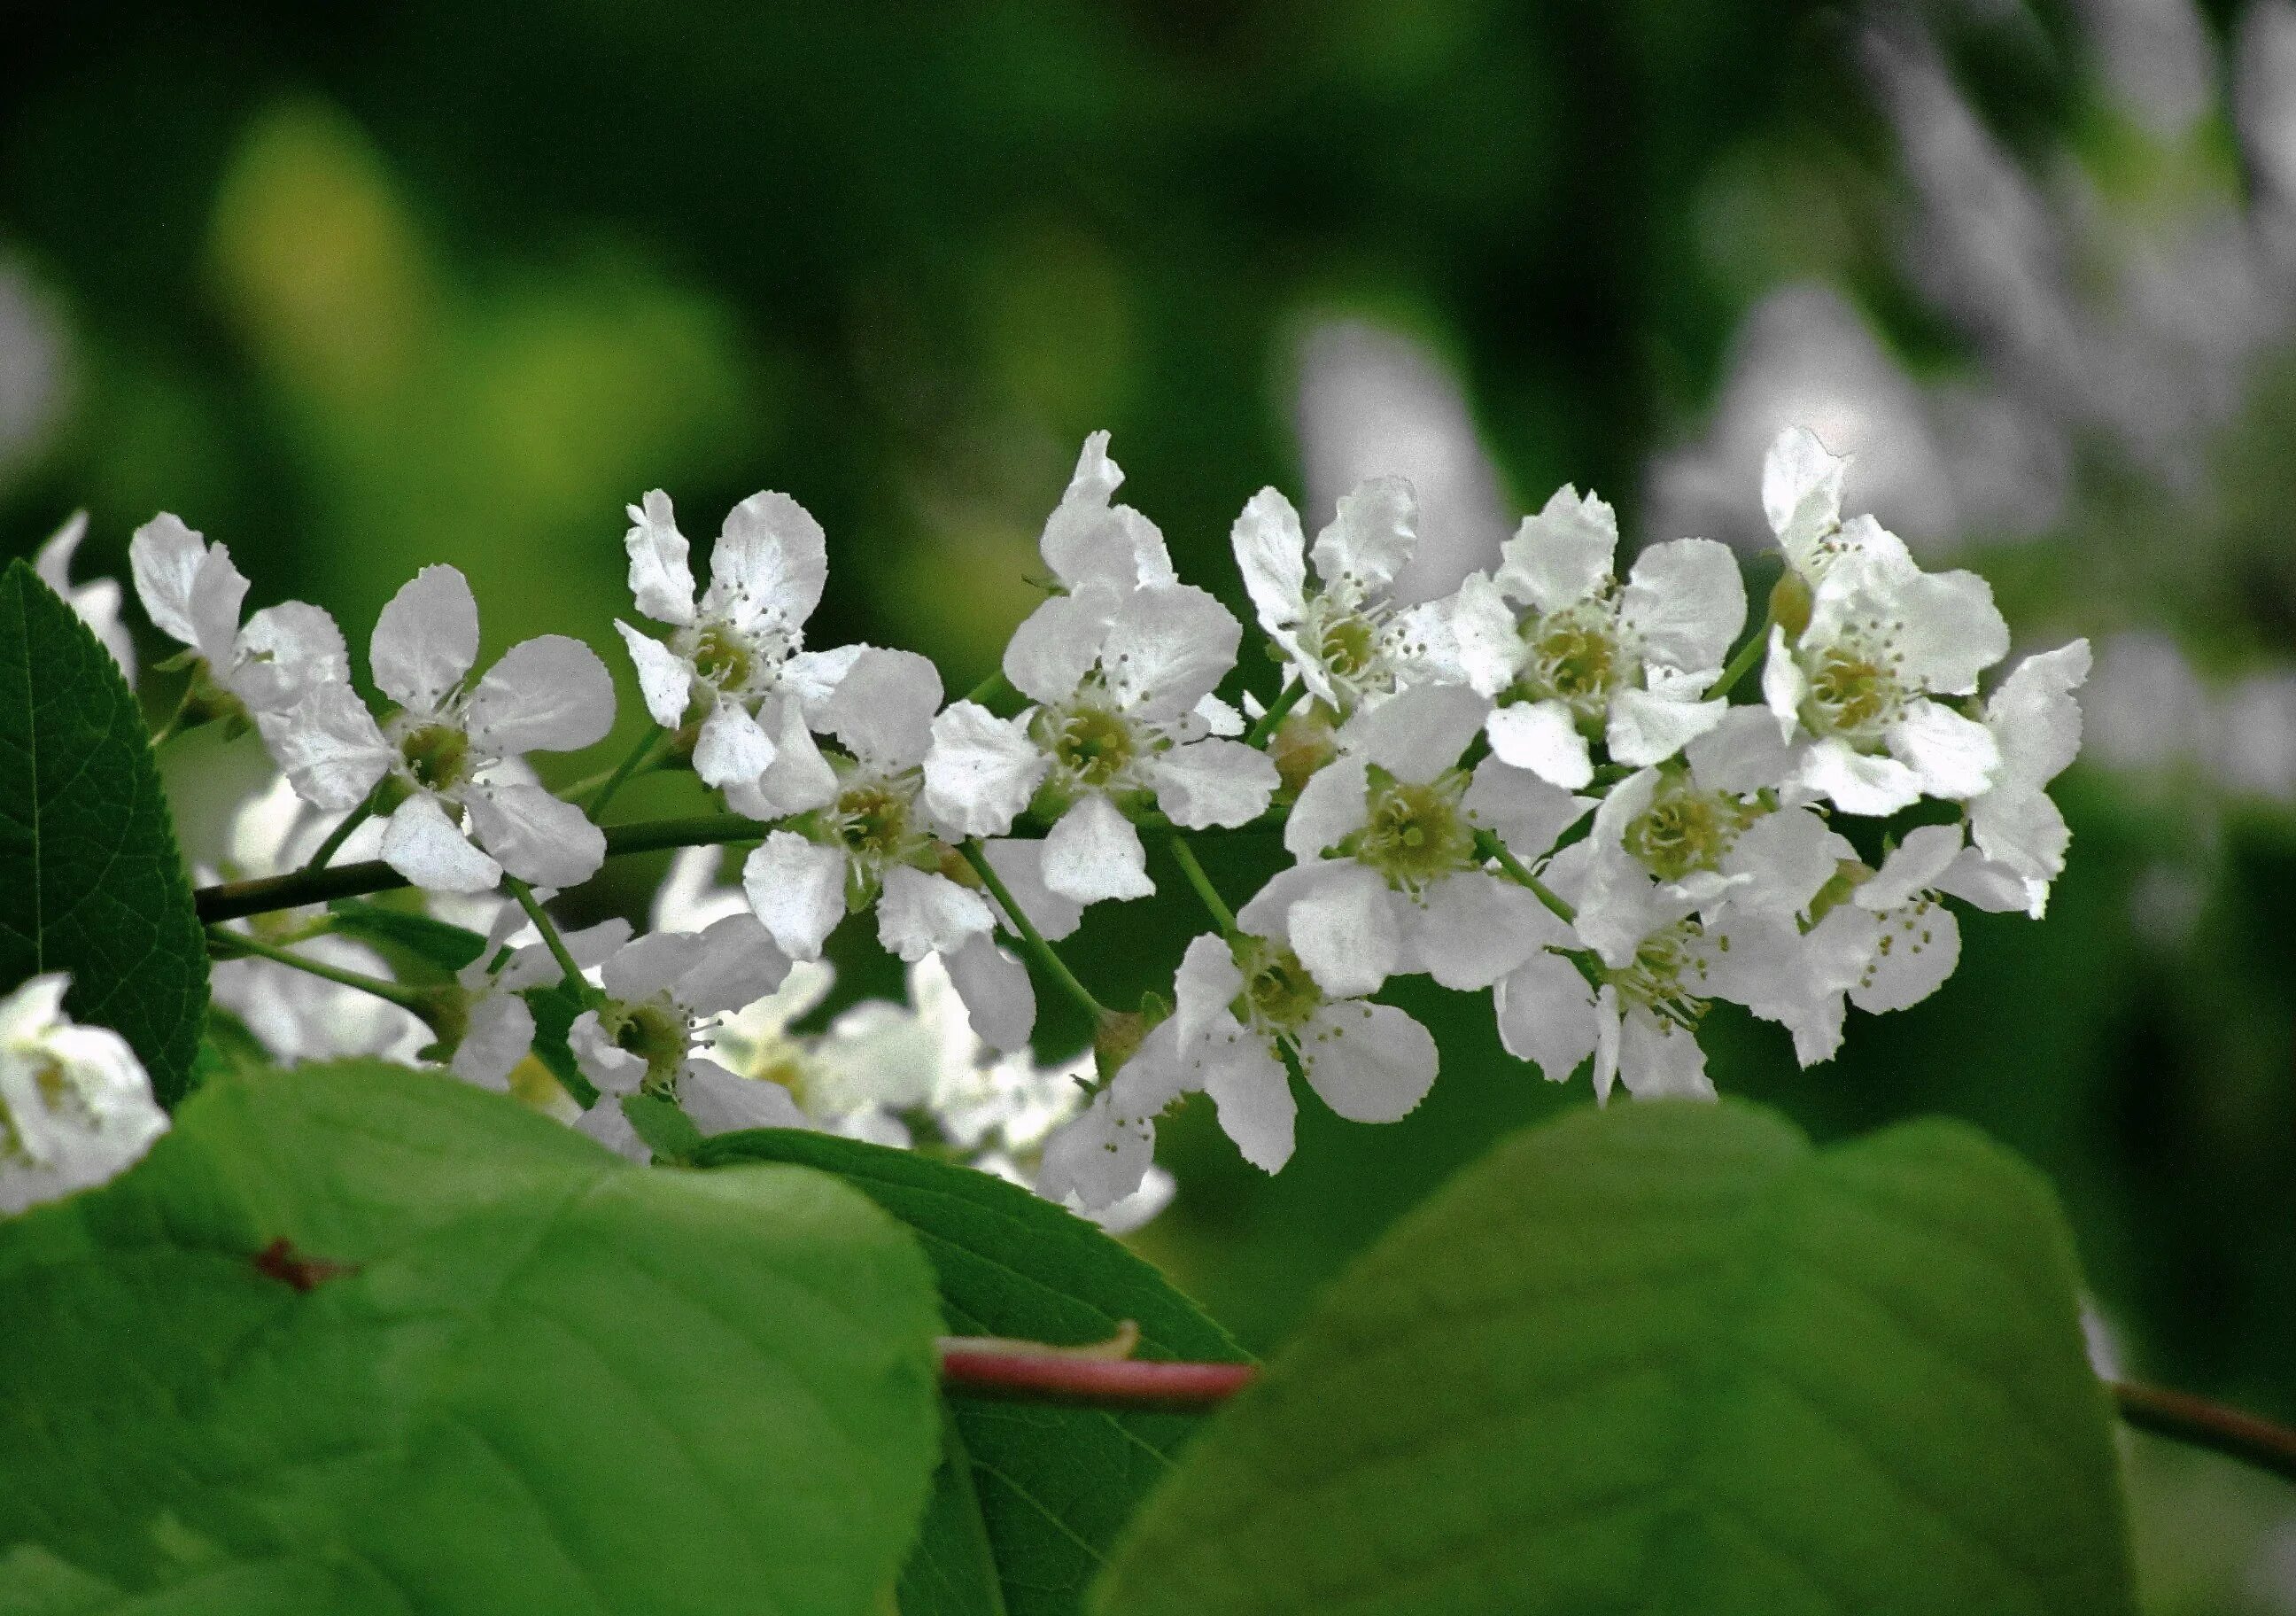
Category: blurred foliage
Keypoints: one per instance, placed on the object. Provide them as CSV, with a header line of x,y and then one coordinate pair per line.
x,y
357,288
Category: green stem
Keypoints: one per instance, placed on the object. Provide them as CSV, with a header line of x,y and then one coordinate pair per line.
x,y
2185,1418
341,834
1742,663
1032,939
1186,856
234,945
643,757
550,938
1490,846
993,691
1291,697
174,727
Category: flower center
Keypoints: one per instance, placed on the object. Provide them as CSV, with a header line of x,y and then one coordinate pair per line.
x,y
1574,659
721,657
658,1034
1414,833
1686,829
1665,973
872,821
1278,993
436,755
1855,693
1349,646
1093,745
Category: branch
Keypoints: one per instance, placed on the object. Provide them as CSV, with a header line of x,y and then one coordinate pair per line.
x,y
1039,1374
2183,1417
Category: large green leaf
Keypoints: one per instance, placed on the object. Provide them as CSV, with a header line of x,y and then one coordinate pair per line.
x,y
1666,1359
1054,1486
494,1368
92,880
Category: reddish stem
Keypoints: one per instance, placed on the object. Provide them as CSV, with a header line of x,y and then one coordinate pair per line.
x,y
1120,1382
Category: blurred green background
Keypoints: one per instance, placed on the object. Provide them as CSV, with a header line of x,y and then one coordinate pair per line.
x,y
355,288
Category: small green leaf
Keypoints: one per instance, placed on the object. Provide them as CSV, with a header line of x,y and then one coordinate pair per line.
x,y
446,949
1054,1485
662,1125
93,883
358,1338
1666,1359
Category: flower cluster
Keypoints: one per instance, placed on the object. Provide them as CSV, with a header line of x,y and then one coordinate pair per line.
x,y
76,1106
1538,785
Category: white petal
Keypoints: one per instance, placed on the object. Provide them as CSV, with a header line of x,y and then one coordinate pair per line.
x,y
1486,637
546,694
1271,550
1523,811
719,1102
1370,1063
285,652
2035,717
426,639
2019,828
1541,737
1218,718
218,592
1099,1158
733,747
163,557
500,1032
1467,930
1911,868
813,676
1954,757
1167,648
689,897
1345,930
1095,853
329,745
1056,644
1918,949
665,678
920,913
1658,1060
1784,686
980,770
535,836
649,965
1206,984
1994,888
769,565
422,844
1646,727
1253,1093
1562,555
1213,782
605,1123
1785,858
1685,602
798,889
1859,784
661,579
798,778
1264,913
1801,492
1329,808
1546,1015
1372,534
1086,539
1743,753
999,1000
883,708
1951,630
1020,865
1418,734
736,966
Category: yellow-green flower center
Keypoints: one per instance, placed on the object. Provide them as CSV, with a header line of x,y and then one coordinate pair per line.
x,y
1574,659
872,820
1349,646
1855,693
1684,829
436,755
1093,745
721,657
656,1033
1277,991
1414,833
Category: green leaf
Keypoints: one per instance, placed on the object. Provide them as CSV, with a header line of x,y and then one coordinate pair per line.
x,y
94,884
446,949
1054,1485
952,1569
662,1125
493,1367
556,1008
1668,1358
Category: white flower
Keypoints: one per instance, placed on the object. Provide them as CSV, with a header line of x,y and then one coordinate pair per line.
x,y
76,1107
97,603
1089,540
1120,674
1801,494
454,750
192,593
2036,722
1390,877
1347,640
1103,1158
1241,1007
1883,638
664,994
498,1032
1589,658
738,653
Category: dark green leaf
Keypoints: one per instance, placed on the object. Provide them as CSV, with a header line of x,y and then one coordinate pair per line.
x,y
952,1569
1054,1485
491,1367
93,882
446,949
1666,1359
555,1010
